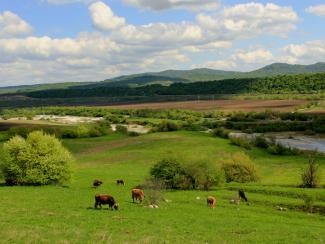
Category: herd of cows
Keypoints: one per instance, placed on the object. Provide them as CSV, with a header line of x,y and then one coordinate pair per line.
x,y
138,195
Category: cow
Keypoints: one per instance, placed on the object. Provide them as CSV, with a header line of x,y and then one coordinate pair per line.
x,y
241,195
211,201
97,183
101,199
137,194
120,182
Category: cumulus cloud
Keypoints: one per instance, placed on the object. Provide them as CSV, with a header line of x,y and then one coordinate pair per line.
x,y
311,51
12,25
318,10
194,5
251,19
103,17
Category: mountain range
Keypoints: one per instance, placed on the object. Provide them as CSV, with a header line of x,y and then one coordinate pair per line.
x,y
168,77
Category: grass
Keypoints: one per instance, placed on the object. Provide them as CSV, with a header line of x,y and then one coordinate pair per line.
x,y
66,214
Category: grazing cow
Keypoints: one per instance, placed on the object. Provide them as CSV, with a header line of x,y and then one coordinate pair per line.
x,y
105,200
211,201
137,194
241,194
97,183
120,182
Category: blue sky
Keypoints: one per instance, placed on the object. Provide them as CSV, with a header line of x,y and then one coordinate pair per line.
x,y
44,41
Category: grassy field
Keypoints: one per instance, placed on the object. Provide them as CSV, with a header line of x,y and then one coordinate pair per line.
x,y
66,214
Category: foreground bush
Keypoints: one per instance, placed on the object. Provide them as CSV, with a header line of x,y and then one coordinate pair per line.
x,y
239,168
39,159
311,175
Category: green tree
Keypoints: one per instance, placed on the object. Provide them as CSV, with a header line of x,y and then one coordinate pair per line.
x,y
39,159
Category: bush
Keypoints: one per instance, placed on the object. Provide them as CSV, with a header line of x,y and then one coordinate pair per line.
x,y
311,175
133,133
194,175
241,142
279,149
166,126
121,129
154,189
38,160
239,168
202,175
167,170
261,142
221,132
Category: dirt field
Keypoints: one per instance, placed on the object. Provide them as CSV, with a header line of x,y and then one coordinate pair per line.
x,y
222,105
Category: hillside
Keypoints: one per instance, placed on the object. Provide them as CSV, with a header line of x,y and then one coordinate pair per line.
x,y
284,84
168,77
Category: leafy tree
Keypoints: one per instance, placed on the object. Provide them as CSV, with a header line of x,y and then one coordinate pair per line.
x,y
39,159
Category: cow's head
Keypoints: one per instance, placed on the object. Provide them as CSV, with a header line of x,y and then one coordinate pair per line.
x,y
115,206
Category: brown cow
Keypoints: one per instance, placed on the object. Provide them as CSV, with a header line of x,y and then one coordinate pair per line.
x,y
137,194
211,201
105,200
120,182
97,183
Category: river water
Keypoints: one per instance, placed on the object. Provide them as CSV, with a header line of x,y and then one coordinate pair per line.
x,y
306,143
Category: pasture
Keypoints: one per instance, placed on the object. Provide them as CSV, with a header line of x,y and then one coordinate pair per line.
x,y
67,215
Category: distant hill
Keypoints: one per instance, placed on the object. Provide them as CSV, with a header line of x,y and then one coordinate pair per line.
x,y
169,77
188,76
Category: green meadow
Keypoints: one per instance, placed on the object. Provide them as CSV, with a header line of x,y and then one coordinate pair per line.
x,y
54,214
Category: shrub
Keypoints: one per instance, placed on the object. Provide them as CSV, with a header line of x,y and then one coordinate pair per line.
x,y
239,168
311,175
221,132
261,142
121,129
194,175
167,170
202,175
279,149
241,142
38,160
133,133
166,126
154,189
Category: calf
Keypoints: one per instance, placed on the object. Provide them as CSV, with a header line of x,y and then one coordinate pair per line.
x,y
120,182
97,183
137,194
105,200
211,201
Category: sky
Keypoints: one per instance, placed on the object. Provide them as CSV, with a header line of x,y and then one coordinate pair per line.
x,y
49,41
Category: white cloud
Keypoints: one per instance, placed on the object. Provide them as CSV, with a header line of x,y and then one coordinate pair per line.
x,y
193,5
318,10
103,17
254,57
308,52
12,25
250,19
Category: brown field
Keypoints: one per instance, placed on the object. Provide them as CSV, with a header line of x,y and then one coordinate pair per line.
x,y
221,105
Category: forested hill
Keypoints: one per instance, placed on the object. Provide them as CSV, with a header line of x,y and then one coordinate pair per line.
x,y
168,77
305,84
